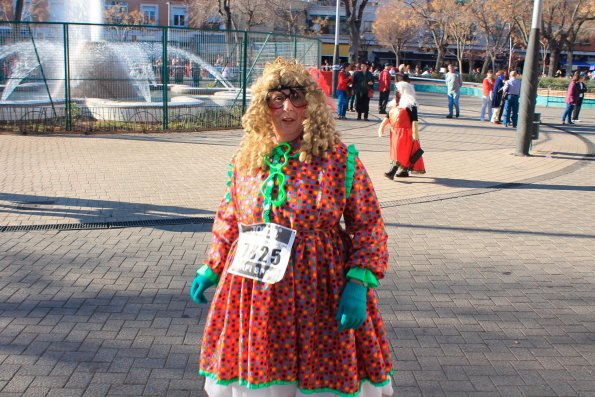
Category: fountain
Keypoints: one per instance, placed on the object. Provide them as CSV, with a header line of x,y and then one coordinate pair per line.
x,y
110,80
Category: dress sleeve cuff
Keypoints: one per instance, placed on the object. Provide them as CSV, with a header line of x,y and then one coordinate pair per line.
x,y
364,275
209,274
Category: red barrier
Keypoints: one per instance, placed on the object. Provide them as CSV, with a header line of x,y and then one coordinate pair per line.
x,y
328,80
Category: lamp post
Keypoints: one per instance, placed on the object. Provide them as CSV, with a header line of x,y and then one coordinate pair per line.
x,y
336,52
529,85
168,13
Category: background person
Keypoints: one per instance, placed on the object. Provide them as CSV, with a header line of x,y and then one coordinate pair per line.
x,y
384,81
453,87
572,95
342,86
582,89
404,133
351,90
498,96
363,83
317,330
512,92
486,99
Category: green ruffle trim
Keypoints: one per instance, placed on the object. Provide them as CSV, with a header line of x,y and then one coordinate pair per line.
x,y
229,174
364,275
209,274
251,386
351,153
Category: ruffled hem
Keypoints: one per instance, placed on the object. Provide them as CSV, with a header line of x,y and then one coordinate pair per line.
x,y
234,389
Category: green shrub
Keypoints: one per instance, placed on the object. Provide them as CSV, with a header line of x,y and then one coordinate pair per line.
x,y
557,83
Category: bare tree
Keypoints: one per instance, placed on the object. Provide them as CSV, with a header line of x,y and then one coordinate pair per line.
x,y
583,15
6,10
492,23
224,9
395,26
436,21
561,24
460,27
200,12
116,16
289,14
253,13
354,11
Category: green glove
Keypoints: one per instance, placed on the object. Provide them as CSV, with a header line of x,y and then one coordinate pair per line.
x,y
199,286
352,307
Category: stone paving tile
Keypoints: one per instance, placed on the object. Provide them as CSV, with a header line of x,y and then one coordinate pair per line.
x,y
486,295
186,174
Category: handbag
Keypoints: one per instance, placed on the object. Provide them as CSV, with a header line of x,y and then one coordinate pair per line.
x,y
415,156
370,92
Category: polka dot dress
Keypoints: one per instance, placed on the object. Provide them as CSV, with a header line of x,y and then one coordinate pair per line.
x,y
261,335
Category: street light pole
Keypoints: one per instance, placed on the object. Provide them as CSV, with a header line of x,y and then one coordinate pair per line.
x,y
336,52
168,13
529,85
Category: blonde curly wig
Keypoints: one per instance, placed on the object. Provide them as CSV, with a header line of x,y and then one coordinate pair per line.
x,y
319,135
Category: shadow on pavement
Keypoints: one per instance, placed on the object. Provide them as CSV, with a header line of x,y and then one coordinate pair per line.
x,y
471,183
488,230
89,211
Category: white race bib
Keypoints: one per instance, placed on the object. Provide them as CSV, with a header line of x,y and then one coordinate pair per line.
x,y
263,252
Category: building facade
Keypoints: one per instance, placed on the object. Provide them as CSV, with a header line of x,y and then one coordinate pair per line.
x,y
151,12
154,12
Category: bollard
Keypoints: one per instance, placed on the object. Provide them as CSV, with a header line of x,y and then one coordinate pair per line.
x,y
535,129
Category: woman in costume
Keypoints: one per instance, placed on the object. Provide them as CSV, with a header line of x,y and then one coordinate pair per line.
x,y
404,134
294,312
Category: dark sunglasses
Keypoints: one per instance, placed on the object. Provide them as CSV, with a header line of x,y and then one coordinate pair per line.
x,y
277,97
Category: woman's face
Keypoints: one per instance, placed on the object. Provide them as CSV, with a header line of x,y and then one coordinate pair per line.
x,y
287,107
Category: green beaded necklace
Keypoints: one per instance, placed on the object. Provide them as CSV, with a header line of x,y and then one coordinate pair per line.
x,y
276,162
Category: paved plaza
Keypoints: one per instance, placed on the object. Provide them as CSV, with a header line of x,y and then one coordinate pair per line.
x,y
490,289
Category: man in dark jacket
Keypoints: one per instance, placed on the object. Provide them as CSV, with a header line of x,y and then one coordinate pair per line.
x,y
582,89
363,84
497,97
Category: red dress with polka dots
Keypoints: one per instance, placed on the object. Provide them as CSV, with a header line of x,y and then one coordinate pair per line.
x,y
261,334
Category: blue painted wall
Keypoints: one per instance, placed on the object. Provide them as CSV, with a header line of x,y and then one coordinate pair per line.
x,y
478,92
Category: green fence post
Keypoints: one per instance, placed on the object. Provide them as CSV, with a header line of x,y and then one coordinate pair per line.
x,y
67,79
45,80
245,72
164,79
295,48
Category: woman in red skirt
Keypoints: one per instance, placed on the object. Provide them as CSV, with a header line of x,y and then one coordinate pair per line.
x,y
404,135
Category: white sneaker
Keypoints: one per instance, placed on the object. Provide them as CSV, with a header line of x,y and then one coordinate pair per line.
x,y
576,121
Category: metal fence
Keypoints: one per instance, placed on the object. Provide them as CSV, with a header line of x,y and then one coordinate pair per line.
x,y
87,78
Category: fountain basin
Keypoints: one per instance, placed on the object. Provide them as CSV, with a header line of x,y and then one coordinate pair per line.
x,y
188,90
33,110
136,112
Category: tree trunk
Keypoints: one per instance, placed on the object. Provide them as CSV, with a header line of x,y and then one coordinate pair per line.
x,y
569,61
18,10
354,39
486,64
554,57
439,58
